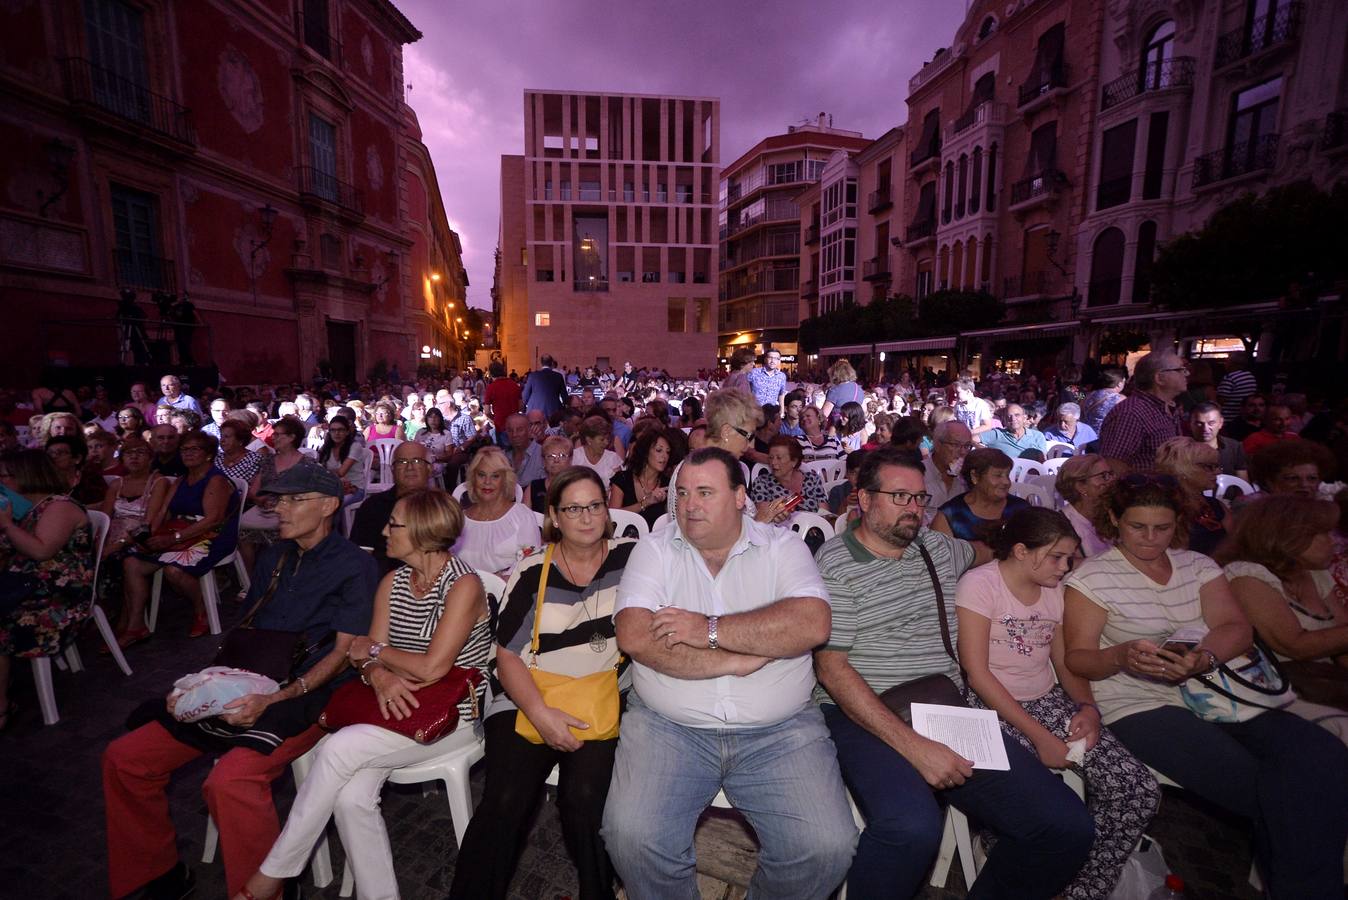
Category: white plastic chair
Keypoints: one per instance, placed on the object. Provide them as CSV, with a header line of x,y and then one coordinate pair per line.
x,y
349,516
840,524
1034,494
46,692
309,453
462,490
1054,464
1060,450
831,471
801,522
622,520
210,591
320,864
757,469
1022,468
664,520
383,449
745,469
1226,482
542,519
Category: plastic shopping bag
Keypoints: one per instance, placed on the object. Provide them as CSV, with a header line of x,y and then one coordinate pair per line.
x,y
1143,873
204,694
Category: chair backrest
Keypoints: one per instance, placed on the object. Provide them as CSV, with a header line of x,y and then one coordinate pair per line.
x,y
747,480
309,453
1021,468
756,470
801,523
495,587
624,521
831,471
1226,482
541,519
840,524
349,516
1034,494
664,520
385,448
1055,463
1060,450
100,523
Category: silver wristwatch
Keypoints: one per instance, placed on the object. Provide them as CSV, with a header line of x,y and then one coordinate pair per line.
x,y
712,643
376,648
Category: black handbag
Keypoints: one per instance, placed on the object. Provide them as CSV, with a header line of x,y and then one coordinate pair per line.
x,y
266,651
935,689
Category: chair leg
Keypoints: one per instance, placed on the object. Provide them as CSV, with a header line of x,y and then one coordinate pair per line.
x,y
152,611
73,659
241,571
211,842
969,861
940,872
210,597
105,629
46,694
348,881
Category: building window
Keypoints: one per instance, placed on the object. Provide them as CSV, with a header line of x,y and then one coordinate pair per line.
x,y
837,254
524,256
590,252
330,251
840,201
929,142
1160,47
1106,269
1157,127
924,279
677,315
949,200
962,189
1116,165
987,28
544,275
703,315
992,178
316,27
323,157
542,320
116,35
1254,118
135,223
976,180
1146,254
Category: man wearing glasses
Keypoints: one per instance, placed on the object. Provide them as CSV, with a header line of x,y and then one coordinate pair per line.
x,y
320,585
1139,425
886,632
951,442
411,472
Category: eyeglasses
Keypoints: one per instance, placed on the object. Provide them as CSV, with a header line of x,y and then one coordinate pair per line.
x,y
574,512
742,433
959,445
1106,475
191,448
404,463
127,416
903,498
296,498
556,457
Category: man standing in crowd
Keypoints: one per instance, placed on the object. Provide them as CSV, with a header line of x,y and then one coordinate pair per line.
x,y
882,577
1107,394
1137,426
1069,429
1205,424
411,472
324,588
526,454
972,411
1236,385
1274,428
628,381
769,381
951,442
1017,440
1251,418
172,389
461,427
545,389
719,615
502,396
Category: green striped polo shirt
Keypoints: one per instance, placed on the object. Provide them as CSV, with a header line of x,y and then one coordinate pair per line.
x,y
884,610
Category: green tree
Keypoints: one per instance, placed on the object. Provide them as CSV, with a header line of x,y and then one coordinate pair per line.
x,y
896,319
1293,240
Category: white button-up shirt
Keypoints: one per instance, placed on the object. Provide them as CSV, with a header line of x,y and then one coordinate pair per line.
x,y
936,486
765,565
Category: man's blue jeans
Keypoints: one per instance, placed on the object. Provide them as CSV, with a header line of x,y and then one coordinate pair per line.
x,y
784,779
1044,832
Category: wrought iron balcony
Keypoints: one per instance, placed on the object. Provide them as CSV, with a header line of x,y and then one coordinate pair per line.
x,y
809,289
1103,292
1042,85
876,268
315,183
1282,25
880,199
1236,160
142,271
126,102
925,157
1028,284
919,233
1038,188
1176,72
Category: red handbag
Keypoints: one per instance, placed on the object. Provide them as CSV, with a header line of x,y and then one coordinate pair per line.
x,y
355,703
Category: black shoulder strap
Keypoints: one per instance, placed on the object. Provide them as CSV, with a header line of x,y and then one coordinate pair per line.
x,y
940,604
266,595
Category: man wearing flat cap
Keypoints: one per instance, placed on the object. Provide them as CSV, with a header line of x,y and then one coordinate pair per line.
x,y
312,581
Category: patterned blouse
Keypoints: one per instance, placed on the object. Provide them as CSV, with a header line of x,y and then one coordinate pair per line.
x,y
767,488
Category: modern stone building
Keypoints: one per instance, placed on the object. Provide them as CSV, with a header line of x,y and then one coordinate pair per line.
x,y
607,241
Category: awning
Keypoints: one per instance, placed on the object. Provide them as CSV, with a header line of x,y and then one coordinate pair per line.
x,y
936,343
1044,330
847,350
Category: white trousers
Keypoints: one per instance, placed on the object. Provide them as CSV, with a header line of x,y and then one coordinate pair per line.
x,y
345,781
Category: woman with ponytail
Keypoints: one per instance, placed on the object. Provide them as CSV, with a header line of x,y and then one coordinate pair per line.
x,y
1011,646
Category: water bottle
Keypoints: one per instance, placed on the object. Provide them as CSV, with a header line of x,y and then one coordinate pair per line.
x,y
1172,889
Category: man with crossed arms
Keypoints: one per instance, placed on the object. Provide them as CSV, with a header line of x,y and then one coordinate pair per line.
x,y
719,616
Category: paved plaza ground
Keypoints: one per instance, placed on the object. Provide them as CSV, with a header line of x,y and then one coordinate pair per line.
x,y
51,810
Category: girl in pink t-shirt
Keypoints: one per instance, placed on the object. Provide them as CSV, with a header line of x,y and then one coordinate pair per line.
x,y
1011,646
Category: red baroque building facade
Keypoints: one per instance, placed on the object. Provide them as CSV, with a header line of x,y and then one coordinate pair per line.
x,y
252,154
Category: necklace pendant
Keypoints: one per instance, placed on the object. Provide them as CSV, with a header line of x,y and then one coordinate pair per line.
x,y
598,643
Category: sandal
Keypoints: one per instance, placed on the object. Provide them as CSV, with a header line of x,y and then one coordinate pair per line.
x,y
199,628
127,639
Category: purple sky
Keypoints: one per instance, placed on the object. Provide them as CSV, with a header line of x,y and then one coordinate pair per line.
x,y
772,64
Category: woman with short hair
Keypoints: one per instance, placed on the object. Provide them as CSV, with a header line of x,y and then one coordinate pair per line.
x,y
842,388
817,442
595,436
1291,467
497,530
136,499
235,459
430,615
1081,481
973,515
784,479
259,523
576,637
70,455
556,458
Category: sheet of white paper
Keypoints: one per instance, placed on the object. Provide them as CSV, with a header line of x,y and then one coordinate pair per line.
x,y
972,733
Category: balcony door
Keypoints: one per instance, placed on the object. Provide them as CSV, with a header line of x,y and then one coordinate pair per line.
x,y
118,77
1254,124
135,223
323,157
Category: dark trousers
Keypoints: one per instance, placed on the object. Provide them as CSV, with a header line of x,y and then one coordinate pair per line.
x,y
516,772
1286,774
1044,831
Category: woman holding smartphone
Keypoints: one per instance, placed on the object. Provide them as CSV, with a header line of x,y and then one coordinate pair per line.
x,y
784,479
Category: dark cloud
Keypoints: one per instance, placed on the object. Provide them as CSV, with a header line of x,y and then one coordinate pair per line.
x,y
771,64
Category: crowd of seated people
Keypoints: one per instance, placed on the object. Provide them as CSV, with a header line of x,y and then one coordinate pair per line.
x,y
1061,621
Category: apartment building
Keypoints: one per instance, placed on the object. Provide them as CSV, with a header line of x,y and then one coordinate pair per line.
x,y
248,154
999,140
761,239
1199,104
607,237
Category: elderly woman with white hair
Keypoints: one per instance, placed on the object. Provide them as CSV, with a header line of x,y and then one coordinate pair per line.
x,y
1068,428
496,529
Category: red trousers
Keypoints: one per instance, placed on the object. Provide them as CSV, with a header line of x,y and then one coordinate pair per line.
x,y
141,842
